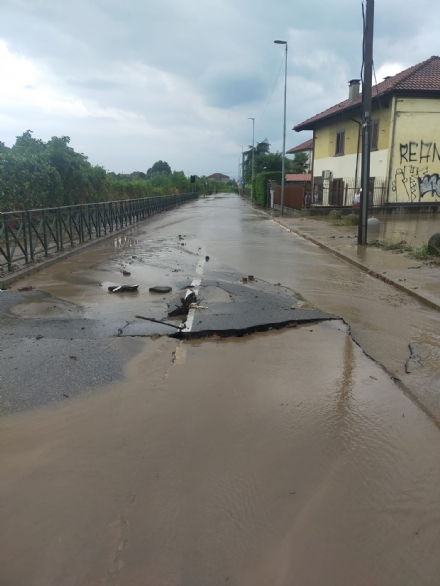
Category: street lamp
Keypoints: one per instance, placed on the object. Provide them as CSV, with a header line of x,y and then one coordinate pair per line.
x,y
284,126
242,170
253,152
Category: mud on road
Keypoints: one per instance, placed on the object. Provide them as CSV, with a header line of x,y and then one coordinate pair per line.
x,y
239,460
226,461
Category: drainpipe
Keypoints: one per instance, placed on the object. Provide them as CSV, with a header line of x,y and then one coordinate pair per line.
x,y
312,171
358,148
391,147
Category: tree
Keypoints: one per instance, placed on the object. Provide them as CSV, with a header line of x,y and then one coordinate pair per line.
x,y
159,167
136,175
268,162
37,174
27,145
300,163
261,148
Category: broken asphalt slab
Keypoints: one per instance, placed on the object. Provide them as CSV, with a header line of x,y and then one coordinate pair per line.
x,y
231,309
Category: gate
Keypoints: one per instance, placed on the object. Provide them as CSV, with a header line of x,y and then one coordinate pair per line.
x,y
336,192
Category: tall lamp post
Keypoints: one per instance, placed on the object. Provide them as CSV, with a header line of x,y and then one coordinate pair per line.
x,y
284,126
253,153
242,171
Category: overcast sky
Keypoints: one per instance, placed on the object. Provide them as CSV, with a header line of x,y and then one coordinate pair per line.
x,y
134,81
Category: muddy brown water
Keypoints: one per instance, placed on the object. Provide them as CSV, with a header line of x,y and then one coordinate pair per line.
x,y
280,458
241,241
212,465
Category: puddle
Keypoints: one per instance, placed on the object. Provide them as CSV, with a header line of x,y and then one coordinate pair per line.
x,y
246,464
38,306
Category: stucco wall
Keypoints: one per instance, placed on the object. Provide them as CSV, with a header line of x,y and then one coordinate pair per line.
x,y
415,156
345,165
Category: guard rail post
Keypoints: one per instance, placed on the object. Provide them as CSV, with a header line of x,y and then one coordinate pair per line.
x,y
25,240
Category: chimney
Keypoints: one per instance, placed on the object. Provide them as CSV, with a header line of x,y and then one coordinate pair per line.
x,y
353,89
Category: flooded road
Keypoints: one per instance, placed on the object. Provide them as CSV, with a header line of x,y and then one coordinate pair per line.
x,y
190,473
285,457
240,241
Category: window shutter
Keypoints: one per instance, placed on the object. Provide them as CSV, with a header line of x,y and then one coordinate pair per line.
x,y
340,142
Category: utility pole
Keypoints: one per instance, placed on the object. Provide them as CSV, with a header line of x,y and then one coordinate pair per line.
x,y
366,119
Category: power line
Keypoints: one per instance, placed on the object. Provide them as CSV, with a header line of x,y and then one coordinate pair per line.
x,y
273,89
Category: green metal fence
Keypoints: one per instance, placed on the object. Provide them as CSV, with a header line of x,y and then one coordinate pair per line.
x,y
26,234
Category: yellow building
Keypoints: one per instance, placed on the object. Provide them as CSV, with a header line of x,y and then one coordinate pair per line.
x,y
405,141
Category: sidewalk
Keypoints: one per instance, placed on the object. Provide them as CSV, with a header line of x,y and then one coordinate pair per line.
x,y
415,277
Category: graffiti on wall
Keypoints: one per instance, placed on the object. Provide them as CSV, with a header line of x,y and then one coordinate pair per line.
x,y
417,176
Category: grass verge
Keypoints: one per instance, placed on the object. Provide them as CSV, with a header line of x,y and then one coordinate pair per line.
x,y
419,253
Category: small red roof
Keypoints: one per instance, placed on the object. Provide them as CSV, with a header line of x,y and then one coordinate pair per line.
x,y
298,177
304,146
423,77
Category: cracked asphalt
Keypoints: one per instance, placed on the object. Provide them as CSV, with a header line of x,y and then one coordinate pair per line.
x,y
259,440
69,335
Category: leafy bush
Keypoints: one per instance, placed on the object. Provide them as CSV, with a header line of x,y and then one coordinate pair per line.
x,y
335,215
351,220
434,245
260,185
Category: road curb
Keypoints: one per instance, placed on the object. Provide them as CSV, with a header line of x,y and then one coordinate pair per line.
x,y
357,264
31,269
360,265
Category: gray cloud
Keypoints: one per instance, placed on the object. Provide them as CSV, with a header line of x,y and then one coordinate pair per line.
x,y
132,82
93,84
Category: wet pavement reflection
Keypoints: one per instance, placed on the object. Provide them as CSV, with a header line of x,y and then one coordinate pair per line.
x,y
308,466
286,457
240,241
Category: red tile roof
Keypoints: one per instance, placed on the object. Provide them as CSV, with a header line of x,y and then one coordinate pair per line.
x,y
298,177
423,77
305,146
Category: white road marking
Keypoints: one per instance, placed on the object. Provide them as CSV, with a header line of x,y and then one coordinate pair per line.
x,y
195,284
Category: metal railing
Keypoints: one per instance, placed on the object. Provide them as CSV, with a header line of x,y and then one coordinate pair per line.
x,y
341,192
24,235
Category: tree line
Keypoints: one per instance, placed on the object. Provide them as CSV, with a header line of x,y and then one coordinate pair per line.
x,y
37,174
265,161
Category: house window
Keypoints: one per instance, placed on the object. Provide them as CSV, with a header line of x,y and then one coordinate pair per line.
x,y
374,135
340,142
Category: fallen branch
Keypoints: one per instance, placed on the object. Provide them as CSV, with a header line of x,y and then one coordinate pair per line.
x,y
157,321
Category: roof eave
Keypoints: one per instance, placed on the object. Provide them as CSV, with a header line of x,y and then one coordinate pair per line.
x,y
293,151
312,125
414,92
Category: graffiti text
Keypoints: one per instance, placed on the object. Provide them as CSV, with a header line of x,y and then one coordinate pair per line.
x,y
419,152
